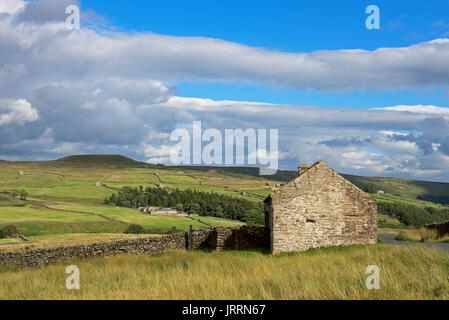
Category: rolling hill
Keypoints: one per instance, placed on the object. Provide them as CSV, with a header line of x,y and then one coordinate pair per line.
x,y
437,192
110,161
401,188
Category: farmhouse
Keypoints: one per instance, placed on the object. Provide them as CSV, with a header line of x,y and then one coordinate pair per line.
x,y
157,211
5,194
319,208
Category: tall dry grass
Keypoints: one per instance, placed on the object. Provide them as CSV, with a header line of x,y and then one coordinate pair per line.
x,y
421,235
333,273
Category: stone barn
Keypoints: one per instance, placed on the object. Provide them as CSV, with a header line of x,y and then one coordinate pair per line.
x,y
319,208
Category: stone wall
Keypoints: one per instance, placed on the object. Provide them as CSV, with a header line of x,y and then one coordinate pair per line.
x,y
218,238
441,228
320,209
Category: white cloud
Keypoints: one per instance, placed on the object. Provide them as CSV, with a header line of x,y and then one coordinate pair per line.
x,y
86,54
18,112
429,109
160,154
11,6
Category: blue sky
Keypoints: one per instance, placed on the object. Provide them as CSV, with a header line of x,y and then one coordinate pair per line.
x,y
289,26
367,102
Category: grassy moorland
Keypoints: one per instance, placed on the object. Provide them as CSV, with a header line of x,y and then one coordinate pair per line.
x,y
421,235
332,273
73,179
28,214
69,239
387,222
64,199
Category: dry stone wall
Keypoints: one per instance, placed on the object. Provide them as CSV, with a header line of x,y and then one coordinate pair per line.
x,y
441,228
208,238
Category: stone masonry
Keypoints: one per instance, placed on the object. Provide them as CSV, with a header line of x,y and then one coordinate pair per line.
x,y
215,238
319,209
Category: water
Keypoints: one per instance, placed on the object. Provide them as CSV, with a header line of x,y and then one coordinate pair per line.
x,y
389,239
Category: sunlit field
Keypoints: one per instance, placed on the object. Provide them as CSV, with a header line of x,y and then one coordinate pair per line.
x,y
333,273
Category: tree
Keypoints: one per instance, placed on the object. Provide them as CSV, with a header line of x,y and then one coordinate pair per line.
x,y
135,229
195,208
370,188
179,207
23,194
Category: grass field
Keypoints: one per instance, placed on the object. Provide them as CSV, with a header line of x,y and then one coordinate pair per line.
x,y
8,241
87,228
165,223
71,239
386,222
420,235
28,214
403,188
74,179
69,184
333,273
407,201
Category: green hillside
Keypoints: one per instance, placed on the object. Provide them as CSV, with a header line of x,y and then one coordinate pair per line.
x,y
67,196
114,161
413,189
437,192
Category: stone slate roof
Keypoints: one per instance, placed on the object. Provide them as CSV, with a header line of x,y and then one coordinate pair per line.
x,y
297,181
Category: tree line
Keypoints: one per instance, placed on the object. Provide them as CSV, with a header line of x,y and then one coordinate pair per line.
x,y
192,202
436,199
413,216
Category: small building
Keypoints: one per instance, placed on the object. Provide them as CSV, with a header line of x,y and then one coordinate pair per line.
x,y
319,208
98,184
5,194
167,212
157,211
380,192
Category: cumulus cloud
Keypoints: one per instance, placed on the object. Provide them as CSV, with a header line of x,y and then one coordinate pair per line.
x,y
45,11
429,109
84,54
368,142
11,6
18,112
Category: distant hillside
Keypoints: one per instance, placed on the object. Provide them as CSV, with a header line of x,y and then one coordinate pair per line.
x,y
405,188
114,161
437,192
244,172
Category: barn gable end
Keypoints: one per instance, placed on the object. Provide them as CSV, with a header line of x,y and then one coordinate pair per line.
x,y
319,209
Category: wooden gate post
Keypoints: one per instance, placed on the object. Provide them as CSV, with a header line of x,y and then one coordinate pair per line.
x,y
190,238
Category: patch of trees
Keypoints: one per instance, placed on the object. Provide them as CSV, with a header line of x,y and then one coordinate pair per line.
x,y
413,216
435,199
192,202
370,188
22,194
8,231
